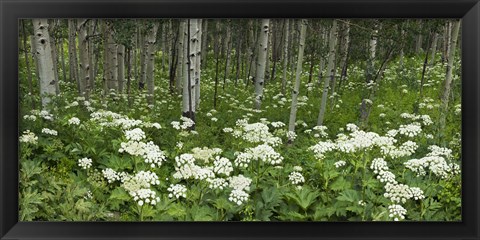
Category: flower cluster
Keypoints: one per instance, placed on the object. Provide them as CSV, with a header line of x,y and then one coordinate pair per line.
x,y
49,131
85,163
177,191
255,133
238,196
145,195
296,178
340,163
135,134
205,154
186,168
217,183
74,121
28,137
410,130
397,212
222,165
185,123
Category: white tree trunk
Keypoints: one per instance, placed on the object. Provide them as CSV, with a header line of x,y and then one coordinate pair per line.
x,y
110,59
448,78
204,42
84,63
198,67
419,38
72,51
332,45
187,94
192,62
43,55
285,55
434,49
150,61
121,67
180,53
296,88
261,61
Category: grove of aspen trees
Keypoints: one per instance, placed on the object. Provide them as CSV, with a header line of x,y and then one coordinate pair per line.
x,y
239,120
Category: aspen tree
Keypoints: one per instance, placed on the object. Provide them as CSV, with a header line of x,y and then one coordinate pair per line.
x,y
84,63
434,48
72,51
285,55
198,59
43,55
181,57
121,67
330,71
296,88
261,61
150,49
449,75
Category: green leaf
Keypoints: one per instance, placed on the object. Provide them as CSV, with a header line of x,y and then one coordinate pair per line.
x,y
340,184
349,195
304,197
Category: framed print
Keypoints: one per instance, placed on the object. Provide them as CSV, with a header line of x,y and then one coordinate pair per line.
x,y
239,119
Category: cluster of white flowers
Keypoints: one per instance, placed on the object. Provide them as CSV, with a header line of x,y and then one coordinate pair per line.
x,y
239,185
49,131
321,130
291,135
152,125
222,165
177,191
135,134
85,163
378,165
185,124
217,183
426,120
30,117
111,119
436,162
145,195
386,177
112,176
397,212
439,151
28,137
205,154
296,178
277,124
142,179
410,130
186,168
255,133
133,148
340,163
264,153
242,159
398,193
240,182
297,168
74,121
238,196
228,130
153,155
321,148
44,114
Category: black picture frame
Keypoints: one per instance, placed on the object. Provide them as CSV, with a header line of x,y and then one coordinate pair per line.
x,y
12,10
